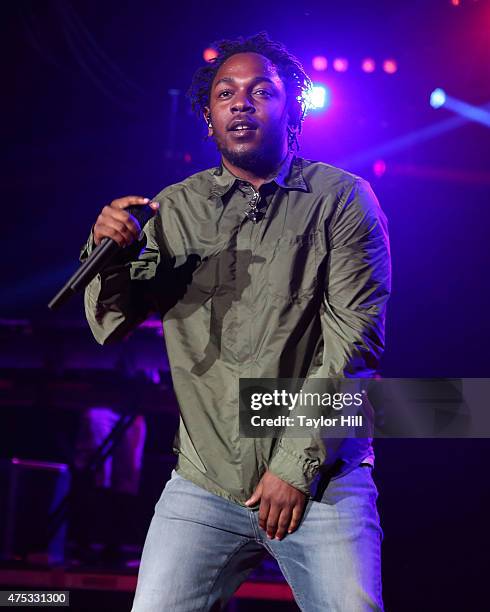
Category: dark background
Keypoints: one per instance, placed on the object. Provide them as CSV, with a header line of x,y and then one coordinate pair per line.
x,y
87,117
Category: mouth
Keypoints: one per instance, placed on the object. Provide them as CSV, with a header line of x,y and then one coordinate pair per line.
x,y
241,126
242,131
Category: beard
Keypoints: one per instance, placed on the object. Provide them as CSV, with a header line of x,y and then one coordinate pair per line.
x,y
263,160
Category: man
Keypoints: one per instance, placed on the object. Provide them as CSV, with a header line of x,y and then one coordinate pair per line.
x,y
266,266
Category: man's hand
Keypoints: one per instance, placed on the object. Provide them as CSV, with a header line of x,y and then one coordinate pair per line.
x,y
281,505
114,222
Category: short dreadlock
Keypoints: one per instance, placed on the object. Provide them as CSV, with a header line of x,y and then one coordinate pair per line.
x,y
296,81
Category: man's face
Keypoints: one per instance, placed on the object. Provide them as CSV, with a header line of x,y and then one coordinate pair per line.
x,y
249,112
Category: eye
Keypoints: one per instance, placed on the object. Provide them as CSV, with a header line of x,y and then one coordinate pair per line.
x,y
224,94
263,93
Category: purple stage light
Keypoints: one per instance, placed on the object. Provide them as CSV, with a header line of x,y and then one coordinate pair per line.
x,y
209,54
379,167
368,64
390,66
340,64
319,63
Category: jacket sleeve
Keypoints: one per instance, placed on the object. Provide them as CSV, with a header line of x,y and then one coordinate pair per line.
x,y
352,315
122,296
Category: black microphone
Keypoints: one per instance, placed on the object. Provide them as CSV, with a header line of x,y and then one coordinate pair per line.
x,y
98,259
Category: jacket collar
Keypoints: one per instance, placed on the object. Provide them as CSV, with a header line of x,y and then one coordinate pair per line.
x,y
289,176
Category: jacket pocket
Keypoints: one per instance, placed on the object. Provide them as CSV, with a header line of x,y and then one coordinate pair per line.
x,y
293,268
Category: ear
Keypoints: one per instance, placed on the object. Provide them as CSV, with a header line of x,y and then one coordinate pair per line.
x,y
293,131
207,119
294,126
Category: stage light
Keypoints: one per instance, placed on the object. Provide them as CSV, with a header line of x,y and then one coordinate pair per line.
x,y
390,66
368,65
209,54
417,137
319,97
455,2
319,62
379,167
479,114
438,98
340,64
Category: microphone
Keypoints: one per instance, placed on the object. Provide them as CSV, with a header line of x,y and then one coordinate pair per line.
x,y
98,260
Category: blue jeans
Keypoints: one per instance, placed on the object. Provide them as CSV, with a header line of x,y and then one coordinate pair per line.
x,y
200,547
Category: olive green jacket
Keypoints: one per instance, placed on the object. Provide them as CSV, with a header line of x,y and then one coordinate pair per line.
x,y
300,292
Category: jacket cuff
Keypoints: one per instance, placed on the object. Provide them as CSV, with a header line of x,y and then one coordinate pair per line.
x,y
297,470
88,247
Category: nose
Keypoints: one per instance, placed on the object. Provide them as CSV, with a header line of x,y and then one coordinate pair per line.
x,y
242,104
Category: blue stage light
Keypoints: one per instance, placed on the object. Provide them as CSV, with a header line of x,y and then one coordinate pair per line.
x,y
479,114
319,97
438,98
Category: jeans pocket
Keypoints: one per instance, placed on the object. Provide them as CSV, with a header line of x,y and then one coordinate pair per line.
x,y
354,486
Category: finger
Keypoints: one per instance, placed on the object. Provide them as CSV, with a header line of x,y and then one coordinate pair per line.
x,y
283,523
263,513
106,231
255,497
108,214
128,229
129,201
272,520
134,226
295,518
